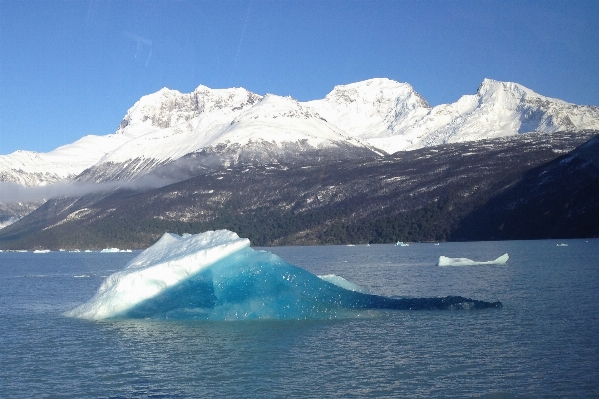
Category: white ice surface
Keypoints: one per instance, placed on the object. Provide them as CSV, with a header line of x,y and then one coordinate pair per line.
x,y
343,283
171,260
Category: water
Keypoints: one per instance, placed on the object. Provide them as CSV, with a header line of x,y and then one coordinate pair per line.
x,y
542,343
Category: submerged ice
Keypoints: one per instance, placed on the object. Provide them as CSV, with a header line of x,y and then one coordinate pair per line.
x,y
217,276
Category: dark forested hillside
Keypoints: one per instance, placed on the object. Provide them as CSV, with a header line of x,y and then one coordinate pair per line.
x,y
557,199
493,189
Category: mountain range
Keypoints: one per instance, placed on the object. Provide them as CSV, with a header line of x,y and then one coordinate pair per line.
x,y
169,137
373,117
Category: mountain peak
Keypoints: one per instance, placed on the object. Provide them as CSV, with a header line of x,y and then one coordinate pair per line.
x,y
489,87
369,108
372,90
273,106
168,108
375,113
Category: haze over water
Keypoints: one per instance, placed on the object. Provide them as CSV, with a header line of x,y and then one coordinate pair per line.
x,y
542,343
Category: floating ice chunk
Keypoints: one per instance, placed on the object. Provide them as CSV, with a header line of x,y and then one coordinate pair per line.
x,y
115,250
445,261
216,276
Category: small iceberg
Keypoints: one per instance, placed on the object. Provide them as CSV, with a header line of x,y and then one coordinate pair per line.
x,y
217,276
445,261
561,245
114,250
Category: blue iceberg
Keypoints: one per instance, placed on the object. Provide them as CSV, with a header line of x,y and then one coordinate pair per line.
x,y
217,276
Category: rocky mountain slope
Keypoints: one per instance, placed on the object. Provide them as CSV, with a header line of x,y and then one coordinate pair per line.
x,y
170,136
436,193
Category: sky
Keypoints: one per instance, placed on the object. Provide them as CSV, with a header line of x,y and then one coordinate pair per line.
x,y
73,68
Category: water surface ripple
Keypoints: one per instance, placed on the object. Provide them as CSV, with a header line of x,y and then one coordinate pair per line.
x,y
542,343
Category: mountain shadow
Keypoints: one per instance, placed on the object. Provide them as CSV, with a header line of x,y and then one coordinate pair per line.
x,y
559,199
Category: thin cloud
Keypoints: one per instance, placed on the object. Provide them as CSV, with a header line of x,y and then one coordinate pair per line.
x,y
12,192
143,44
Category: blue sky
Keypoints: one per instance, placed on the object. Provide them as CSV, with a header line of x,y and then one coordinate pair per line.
x,y
72,68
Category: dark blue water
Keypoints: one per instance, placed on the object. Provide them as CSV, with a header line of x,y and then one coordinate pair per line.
x,y
542,343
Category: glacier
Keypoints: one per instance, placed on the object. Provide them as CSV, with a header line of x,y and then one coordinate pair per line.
x,y
215,275
446,261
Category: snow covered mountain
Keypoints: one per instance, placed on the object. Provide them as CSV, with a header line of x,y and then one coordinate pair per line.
x,y
239,117
232,124
393,117
28,168
229,126
369,109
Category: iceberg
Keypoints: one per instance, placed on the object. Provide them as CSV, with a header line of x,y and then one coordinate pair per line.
x,y
115,250
217,276
445,261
